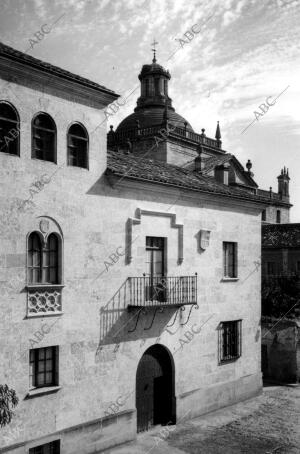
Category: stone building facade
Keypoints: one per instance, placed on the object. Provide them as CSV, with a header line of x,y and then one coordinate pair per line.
x,y
130,292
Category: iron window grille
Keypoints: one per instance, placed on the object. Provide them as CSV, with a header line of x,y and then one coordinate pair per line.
x,y
44,138
49,448
43,367
9,129
230,341
230,259
77,146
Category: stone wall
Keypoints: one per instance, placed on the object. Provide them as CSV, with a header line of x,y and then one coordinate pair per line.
x,y
98,357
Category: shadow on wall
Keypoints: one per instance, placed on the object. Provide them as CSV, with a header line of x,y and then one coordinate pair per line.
x,y
281,350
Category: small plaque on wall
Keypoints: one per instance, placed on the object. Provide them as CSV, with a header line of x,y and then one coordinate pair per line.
x,y
204,239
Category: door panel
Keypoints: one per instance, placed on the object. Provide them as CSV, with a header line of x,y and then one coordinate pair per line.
x,y
154,389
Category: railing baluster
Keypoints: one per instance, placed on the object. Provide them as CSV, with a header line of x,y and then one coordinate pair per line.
x,y
152,290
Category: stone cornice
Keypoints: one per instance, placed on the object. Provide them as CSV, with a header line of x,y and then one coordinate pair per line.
x,y
68,88
219,199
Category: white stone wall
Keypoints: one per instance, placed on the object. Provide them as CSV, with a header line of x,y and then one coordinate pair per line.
x,y
92,216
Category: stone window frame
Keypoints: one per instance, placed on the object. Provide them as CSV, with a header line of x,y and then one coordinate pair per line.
x,y
227,273
229,341
45,298
54,131
16,126
86,139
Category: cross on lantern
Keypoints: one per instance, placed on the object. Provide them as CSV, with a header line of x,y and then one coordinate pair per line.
x,y
154,50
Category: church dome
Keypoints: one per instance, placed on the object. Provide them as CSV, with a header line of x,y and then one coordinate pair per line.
x,y
154,104
152,116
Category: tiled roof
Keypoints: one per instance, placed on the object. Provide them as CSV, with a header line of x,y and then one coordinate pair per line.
x,y
26,59
140,168
281,235
211,163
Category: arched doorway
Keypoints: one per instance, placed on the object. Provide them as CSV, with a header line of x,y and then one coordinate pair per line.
x,y
155,394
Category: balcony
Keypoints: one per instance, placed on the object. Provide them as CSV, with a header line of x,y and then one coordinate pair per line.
x,y
148,291
43,299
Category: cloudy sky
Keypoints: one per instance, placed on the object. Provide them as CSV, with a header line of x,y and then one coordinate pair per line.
x,y
245,52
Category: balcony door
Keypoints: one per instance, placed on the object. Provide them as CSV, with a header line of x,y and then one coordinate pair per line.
x,y
155,268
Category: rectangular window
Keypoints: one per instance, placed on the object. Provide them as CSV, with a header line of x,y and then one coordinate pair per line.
x,y
230,259
155,258
43,367
263,215
278,216
49,448
230,340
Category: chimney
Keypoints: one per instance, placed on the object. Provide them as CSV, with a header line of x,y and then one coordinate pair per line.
x,y
198,159
222,173
283,183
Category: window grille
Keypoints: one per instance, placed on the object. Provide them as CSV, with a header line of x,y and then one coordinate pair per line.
x,y
230,340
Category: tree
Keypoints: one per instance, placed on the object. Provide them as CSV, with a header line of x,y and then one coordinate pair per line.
x,y
8,401
280,296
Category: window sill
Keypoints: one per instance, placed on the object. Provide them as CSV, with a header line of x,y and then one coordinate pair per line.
x,y
41,286
42,391
43,160
44,314
228,361
229,279
11,154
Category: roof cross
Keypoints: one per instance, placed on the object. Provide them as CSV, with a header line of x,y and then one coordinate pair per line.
x,y
154,50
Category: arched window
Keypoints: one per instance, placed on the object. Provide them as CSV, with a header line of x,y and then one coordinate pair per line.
x,y
44,138
9,129
165,86
156,87
77,146
43,259
34,258
147,86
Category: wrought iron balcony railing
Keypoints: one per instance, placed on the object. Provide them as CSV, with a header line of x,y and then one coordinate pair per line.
x,y
148,291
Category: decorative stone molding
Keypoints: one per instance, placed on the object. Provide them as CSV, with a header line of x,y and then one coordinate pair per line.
x,y
43,299
138,219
